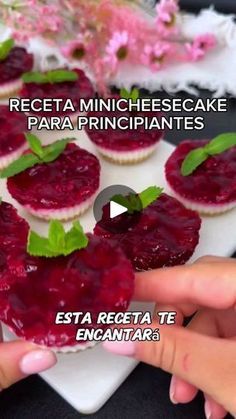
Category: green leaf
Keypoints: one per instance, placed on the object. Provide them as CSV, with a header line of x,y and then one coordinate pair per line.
x,y
125,94
5,48
39,246
24,162
123,201
137,202
35,144
133,94
221,143
60,76
53,151
34,77
54,76
149,195
75,239
58,243
56,235
194,159
42,155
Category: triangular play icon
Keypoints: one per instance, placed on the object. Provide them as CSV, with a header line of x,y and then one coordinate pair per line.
x,y
116,209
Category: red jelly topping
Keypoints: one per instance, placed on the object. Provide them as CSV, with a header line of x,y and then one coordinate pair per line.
x,y
213,182
17,62
166,234
12,124
13,237
33,290
74,90
124,140
66,182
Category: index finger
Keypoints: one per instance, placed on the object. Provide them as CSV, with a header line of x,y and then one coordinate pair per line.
x,y
210,284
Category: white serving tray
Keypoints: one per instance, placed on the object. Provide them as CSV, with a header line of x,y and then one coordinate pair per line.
x,y
88,379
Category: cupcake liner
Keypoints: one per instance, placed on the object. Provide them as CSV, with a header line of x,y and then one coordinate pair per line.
x,y
73,348
205,209
129,157
63,214
63,349
11,157
7,89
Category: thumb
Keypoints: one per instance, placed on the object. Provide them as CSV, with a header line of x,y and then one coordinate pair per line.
x,y
19,359
206,362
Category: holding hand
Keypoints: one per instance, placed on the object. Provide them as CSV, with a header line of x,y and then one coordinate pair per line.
x,y
203,355
19,359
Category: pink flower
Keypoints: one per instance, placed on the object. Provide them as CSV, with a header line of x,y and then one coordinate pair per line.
x,y
155,55
200,45
74,50
166,17
118,48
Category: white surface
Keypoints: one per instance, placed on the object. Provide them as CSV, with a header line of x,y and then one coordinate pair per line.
x,y
88,379
116,209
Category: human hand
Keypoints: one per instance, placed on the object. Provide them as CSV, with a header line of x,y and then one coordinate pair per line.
x,y
18,359
203,355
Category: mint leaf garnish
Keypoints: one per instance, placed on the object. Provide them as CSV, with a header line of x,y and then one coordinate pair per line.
x,y
24,162
53,151
149,195
35,144
54,76
5,48
59,242
60,76
124,202
39,246
133,94
196,157
40,155
221,143
34,77
75,239
56,235
137,202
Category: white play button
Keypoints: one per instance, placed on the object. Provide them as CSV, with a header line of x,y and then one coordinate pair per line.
x,y
116,209
107,211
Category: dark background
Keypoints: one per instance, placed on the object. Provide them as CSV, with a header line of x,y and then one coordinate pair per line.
x,y
225,6
145,393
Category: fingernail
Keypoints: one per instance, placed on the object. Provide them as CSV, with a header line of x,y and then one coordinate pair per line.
x,y
208,411
120,348
172,391
37,361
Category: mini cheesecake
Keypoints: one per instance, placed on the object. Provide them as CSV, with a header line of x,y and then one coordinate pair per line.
x,y
124,146
211,188
164,233
82,88
98,278
12,139
62,189
12,68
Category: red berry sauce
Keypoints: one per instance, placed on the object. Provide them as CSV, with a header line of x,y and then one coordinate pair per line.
x,y
33,290
213,182
66,182
124,140
13,125
18,61
74,90
166,234
13,238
